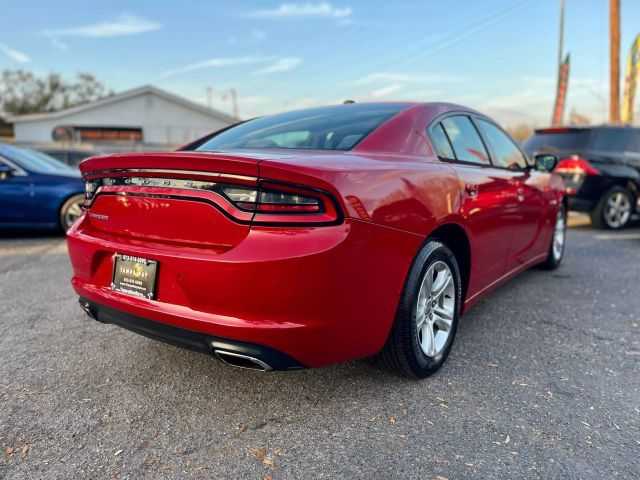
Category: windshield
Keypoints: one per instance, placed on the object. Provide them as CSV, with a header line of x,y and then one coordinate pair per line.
x,y
34,161
339,127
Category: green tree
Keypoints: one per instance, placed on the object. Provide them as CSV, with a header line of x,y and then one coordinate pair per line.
x,y
21,92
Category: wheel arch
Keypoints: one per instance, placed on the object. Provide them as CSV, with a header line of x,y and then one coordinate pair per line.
x,y
62,200
455,237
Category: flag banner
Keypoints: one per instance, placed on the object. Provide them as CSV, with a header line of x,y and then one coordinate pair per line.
x,y
631,82
561,93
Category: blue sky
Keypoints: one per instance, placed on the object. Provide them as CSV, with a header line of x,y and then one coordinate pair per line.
x,y
498,56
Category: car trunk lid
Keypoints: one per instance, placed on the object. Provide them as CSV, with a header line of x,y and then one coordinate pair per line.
x,y
171,198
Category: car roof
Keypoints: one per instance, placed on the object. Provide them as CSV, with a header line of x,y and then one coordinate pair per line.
x,y
584,128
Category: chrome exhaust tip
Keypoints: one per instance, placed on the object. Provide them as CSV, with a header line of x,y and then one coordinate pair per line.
x,y
88,310
241,361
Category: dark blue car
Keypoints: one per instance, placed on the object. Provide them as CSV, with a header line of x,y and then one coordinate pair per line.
x,y
37,191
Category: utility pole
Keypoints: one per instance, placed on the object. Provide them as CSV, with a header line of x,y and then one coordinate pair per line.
x,y
556,115
614,61
561,40
234,102
210,97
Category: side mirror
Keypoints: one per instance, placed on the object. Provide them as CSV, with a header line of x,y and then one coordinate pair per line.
x,y
545,162
6,172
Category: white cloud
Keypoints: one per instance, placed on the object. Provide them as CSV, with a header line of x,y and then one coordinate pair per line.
x,y
283,64
59,44
421,95
13,54
255,37
386,91
302,10
297,103
125,24
381,77
215,63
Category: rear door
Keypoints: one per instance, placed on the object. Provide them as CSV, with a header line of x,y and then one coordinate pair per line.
x,y
529,184
489,202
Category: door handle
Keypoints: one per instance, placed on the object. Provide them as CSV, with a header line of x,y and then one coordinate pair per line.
x,y
472,189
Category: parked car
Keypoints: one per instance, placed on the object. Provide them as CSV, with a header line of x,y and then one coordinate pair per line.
x,y
37,191
69,156
318,236
600,167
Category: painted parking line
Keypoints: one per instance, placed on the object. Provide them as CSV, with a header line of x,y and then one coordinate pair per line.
x,y
618,236
57,248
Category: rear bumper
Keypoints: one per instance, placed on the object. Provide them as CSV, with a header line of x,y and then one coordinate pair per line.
x,y
317,296
192,340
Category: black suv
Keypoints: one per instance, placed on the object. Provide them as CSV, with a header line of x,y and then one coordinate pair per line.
x,y
600,167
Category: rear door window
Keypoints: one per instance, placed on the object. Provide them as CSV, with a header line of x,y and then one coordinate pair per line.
x,y
441,143
609,140
505,152
465,140
633,146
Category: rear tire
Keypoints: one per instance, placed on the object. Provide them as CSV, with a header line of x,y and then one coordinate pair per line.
x,y
71,209
613,210
427,317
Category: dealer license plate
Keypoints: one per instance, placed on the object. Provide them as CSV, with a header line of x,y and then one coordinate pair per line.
x,y
134,276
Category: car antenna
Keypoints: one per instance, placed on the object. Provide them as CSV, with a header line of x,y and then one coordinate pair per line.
x,y
348,102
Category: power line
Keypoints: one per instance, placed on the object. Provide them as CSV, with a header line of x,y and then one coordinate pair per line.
x,y
474,28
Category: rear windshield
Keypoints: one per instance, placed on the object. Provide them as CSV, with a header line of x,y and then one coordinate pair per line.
x,y
598,139
339,127
550,142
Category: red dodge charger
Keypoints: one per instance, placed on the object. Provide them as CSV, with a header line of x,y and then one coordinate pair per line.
x,y
318,236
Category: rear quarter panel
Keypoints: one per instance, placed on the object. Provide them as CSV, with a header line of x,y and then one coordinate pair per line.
x,y
409,194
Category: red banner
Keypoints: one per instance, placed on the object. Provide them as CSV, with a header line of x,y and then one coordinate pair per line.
x,y
561,93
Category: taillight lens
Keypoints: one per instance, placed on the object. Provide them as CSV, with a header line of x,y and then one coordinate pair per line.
x,y
90,188
576,165
275,203
272,201
243,197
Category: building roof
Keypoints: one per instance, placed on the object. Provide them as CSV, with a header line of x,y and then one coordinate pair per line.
x,y
145,89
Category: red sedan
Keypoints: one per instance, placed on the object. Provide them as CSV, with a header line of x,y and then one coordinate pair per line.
x,y
318,236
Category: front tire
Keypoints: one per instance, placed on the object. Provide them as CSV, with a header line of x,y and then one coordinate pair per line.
x,y
427,317
556,249
613,210
71,209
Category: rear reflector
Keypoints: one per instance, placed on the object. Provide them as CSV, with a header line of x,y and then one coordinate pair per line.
x,y
576,165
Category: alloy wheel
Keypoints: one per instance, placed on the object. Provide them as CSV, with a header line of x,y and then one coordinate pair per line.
x,y
72,212
435,309
559,235
617,210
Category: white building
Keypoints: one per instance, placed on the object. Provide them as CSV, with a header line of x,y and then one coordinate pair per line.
x,y
145,117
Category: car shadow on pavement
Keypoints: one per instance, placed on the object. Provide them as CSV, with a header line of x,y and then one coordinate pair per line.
x,y
28,234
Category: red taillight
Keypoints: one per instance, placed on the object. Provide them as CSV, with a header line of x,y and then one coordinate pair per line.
x,y
275,203
576,165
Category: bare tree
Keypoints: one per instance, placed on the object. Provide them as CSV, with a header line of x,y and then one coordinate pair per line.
x,y
520,132
21,92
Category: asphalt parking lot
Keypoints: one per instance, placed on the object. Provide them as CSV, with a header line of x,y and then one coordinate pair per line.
x,y
543,382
